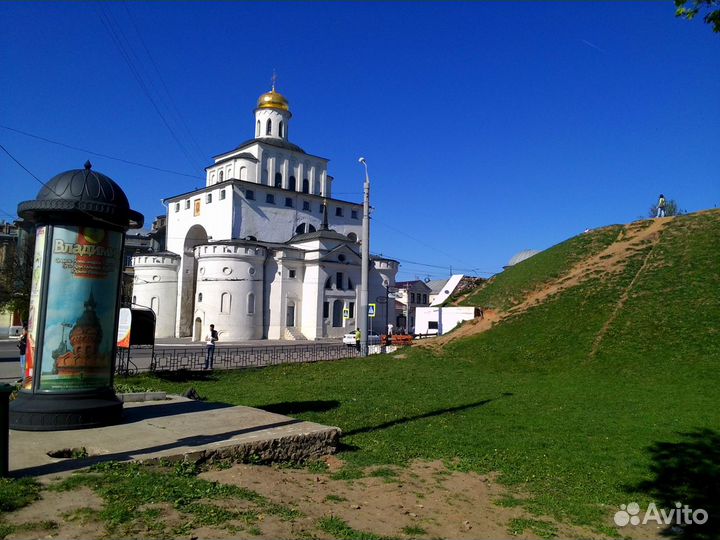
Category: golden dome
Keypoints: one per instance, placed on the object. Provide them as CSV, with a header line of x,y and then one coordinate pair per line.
x,y
273,100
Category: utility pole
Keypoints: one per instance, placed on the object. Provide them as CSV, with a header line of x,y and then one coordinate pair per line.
x,y
365,265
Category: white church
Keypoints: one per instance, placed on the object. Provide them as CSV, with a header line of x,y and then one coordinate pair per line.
x,y
263,251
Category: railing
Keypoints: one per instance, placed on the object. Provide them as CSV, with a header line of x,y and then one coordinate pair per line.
x,y
193,359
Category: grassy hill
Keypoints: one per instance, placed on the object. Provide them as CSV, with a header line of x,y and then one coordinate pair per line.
x,y
597,387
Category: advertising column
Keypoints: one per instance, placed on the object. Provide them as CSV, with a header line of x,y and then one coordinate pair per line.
x,y
79,326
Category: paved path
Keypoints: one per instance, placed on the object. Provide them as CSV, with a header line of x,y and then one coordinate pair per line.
x,y
175,428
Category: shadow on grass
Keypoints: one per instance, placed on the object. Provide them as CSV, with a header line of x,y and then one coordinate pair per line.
x,y
297,407
406,419
688,472
186,375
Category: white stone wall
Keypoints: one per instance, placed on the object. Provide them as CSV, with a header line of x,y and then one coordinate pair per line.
x,y
227,277
155,286
215,215
275,222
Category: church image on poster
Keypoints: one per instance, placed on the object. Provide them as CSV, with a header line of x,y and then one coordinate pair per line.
x,y
80,314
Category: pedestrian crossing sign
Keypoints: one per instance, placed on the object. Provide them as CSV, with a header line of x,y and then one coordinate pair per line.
x,y
346,313
371,310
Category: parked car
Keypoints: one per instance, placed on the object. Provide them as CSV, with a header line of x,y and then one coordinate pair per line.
x,y
349,339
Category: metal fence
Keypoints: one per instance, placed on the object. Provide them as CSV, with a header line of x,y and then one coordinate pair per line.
x,y
133,361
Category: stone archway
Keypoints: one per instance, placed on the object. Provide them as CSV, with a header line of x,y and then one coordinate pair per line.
x,y
187,280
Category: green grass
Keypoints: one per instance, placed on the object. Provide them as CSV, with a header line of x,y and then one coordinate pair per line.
x,y
128,488
414,531
15,494
579,435
541,528
340,530
335,498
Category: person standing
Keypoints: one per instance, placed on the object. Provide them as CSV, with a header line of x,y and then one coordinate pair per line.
x,y
22,346
390,329
358,337
661,206
210,339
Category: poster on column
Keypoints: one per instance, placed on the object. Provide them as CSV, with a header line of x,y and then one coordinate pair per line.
x,y
38,260
81,309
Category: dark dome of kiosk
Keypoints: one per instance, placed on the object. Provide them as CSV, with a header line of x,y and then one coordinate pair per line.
x,y
82,194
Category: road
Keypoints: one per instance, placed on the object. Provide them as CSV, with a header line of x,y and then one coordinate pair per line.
x,y
9,361
185,351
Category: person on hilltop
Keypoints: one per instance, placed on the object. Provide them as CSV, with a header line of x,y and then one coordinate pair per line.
x,y
210,339
661,206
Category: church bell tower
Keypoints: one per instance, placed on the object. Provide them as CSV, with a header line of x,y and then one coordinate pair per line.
x,y
272,116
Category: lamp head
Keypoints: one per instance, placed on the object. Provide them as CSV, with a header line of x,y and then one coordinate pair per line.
x,y
362,160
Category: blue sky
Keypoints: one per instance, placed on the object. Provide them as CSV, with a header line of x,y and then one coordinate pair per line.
x,y
488,128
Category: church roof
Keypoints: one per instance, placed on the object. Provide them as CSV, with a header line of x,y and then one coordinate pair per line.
x,y
325,234
278,143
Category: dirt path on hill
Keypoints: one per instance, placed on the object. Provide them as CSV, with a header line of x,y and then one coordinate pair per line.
x,y
468,328
631,239
612,259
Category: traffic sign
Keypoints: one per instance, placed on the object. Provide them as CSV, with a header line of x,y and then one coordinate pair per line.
x,y
371,310
346,313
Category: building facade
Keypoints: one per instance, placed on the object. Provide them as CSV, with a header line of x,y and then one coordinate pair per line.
x,y
263,250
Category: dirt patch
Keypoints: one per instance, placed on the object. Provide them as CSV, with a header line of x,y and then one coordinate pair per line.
x,y
423,500
68,509
426,495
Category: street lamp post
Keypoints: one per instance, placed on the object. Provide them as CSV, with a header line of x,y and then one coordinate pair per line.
x,y
365,266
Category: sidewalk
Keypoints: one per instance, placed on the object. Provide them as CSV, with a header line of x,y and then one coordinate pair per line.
x,y
175,428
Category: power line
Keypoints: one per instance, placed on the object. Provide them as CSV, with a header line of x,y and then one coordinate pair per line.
x,y
158,72
423,243
91,216
117,36
99,154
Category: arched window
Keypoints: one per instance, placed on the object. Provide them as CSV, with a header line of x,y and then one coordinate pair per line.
x,y
225,300
199,297
220,176
328,283
257,130
278,180
306,186
243,173
265,176
291,183
280,129
311,228
268,127
300,229
134,300
251,303
337,318
351,286
155,303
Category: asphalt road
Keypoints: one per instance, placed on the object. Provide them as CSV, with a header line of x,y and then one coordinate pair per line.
x,y
10,356
9,361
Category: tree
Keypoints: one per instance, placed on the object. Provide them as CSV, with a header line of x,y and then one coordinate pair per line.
x,y
687,9
16,273
671,209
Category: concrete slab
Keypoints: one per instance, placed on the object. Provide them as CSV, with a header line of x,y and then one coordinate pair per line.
x,y
178,429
